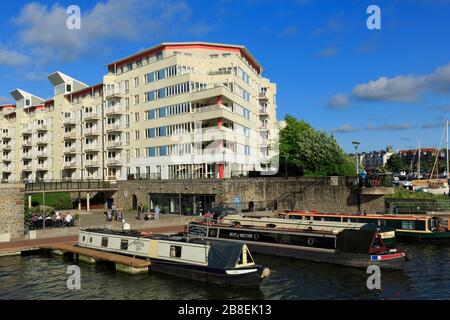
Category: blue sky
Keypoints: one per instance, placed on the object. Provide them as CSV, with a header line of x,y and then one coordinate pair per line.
x,y
382,87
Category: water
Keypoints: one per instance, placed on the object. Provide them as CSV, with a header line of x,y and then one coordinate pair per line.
x,y
44,277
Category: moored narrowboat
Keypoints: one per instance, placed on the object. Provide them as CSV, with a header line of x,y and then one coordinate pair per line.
x,y
421,228
387,234
198,259
354,248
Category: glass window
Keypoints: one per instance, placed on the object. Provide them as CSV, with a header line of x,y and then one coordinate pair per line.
x,y
408,225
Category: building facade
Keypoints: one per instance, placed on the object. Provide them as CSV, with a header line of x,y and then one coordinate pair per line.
x,y
176,110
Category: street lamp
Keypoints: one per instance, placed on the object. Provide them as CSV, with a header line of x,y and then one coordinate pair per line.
x,y
356,145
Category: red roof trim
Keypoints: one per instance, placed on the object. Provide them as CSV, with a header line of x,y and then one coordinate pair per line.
x,y
78,93
8,106
144,54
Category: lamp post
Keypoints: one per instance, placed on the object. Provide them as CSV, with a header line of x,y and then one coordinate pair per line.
x,y
356,145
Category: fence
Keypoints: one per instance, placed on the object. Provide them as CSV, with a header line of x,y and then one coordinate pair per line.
x,y
60,185
412,206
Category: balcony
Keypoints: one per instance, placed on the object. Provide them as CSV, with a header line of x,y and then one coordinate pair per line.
x,y
70,135
42,140
6,147
114,162
263,96
69,121
70,150
91,148
27,144
113,93
91,132
263,111
91,116
70,165
27,156
27,132
114,111
116,127
41,127
6,159
7,136
91,163
7,169
114,145
42,154
42,167
27,167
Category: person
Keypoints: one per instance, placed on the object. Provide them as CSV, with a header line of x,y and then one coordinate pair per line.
x,y
139,211
251,206
48,221
68,220
146,217
157,210
58,219
109,215
120,216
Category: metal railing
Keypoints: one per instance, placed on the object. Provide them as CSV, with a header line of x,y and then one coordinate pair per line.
x,y
144,176
57,185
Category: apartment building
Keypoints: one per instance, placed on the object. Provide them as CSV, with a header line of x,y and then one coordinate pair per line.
x,y
176,110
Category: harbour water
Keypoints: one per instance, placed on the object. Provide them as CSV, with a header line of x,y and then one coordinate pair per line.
x,y
427,276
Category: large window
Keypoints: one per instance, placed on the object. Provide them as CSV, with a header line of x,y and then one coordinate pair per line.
x,y
408,225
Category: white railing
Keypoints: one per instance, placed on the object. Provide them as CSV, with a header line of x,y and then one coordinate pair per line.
x,y
111,127
114,144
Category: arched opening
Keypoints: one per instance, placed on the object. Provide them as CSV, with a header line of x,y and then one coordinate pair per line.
x,y
134,202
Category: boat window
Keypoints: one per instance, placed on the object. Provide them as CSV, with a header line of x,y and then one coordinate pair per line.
x,y
408,225
382,223
124,244
84,238
175,251
294,217
213,233
90,239
104,241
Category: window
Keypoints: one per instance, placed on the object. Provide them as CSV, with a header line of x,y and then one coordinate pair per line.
x,y
105,242
136,99
124,244
175,251
136,117
408,225
136,82
159,56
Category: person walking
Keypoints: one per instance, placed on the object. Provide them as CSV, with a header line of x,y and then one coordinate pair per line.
x,y
139,211
157,210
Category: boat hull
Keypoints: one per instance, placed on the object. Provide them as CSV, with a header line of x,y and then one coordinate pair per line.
x,y
344,259
246,277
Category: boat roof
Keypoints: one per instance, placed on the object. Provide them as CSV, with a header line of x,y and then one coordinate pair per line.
x,y
353,215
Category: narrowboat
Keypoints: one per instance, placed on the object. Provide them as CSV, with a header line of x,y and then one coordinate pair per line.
x,y
197,259
421,228
387,234
349,247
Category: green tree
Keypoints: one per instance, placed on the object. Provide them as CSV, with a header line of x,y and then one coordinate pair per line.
x,y
394,163
311,152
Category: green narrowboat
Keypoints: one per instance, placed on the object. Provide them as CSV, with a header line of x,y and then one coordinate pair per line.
x,y
419,228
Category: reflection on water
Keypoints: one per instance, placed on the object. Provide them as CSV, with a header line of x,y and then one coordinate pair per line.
x,y
44,277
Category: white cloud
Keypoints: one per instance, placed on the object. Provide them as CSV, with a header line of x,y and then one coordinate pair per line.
x,y
328,52
390,127
346,128
401,88
43,31
12,58
338,101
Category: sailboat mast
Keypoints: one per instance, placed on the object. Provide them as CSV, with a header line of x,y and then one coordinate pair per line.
x,y
418,163
446,151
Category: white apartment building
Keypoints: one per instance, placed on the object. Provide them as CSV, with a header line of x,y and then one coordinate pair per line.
x,y
176,110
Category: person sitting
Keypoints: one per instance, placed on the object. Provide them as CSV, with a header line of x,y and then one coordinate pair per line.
x,y
68,220
146,217
59,221
48,222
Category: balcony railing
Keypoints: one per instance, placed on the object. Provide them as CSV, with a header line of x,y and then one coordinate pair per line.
x,y
70,164
70,135
69,150
263,95
114,93
117,110
27,168
42,141
6,147
144,176
27,143
27,156
27,131
91,116
91,163
91,147
42,154
42,167
69,121
114,144
41,127
68,184
114,162
114,127
91,132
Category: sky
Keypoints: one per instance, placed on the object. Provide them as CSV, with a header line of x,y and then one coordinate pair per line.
x,y
381,87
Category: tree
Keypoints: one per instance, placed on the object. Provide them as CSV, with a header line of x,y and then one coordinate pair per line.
x,y
394,163
311,152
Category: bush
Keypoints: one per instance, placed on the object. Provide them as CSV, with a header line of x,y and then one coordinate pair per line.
x,y
60,201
